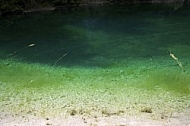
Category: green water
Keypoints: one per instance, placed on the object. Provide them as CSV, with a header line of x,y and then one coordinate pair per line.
x,y
94,56
96,36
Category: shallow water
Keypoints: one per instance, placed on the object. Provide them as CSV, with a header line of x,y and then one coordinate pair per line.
x,y
95,36
96,62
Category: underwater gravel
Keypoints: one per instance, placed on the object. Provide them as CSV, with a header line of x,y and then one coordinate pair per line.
x,y
128,107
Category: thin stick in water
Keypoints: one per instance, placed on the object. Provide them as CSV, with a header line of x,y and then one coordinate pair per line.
x,y
13,54
60,58
176,59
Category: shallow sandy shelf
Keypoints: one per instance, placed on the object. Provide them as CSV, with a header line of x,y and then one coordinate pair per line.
x,y
61,107
134,94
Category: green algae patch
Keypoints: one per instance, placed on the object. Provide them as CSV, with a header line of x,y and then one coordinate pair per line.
x,y
169,80
135,74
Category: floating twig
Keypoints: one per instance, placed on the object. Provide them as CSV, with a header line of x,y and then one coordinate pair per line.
x,y
60,58
13,53
177,60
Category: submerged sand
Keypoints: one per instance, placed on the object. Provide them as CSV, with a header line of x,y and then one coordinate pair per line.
x,y
125,96
133,107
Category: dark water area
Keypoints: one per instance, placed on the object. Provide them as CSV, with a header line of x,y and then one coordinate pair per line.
x,y
94,36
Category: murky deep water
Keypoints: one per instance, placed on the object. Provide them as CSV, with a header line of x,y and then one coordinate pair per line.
x,y
94,36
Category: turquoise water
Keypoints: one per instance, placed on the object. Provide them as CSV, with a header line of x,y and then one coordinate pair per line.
x,y
95,36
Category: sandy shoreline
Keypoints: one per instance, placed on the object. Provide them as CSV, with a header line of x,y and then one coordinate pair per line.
x,y
177,119
58,109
